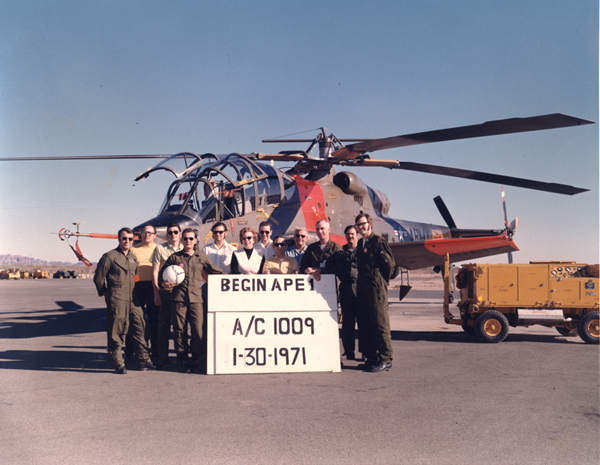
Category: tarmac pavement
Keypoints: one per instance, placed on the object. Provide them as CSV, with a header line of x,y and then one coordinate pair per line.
x,y
448,399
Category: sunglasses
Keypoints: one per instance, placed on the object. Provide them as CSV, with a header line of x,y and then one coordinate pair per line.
x,y
279,244
362,224
189,239
130,239
265,232
148,232
247,238
173,233
300,235
218,232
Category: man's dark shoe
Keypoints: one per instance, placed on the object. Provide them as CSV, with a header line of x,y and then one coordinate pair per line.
x,y
381,366
367,365
186,368
350,356
195,367
121,370
163,364
146,366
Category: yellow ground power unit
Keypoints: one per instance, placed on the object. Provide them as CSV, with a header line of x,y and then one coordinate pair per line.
x,y
563,295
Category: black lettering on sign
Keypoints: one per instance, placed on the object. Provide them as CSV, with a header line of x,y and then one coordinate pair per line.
x,y
249,357
310,323
296,325
260,284
256,330
249,326
245,287
284,328
237,326
261,356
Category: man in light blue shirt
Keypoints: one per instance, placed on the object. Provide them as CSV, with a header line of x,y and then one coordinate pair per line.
x,y
297,250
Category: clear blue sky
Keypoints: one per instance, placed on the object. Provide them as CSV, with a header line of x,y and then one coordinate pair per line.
x,y
134,77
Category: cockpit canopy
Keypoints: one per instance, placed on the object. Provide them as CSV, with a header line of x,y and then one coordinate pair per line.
x,y
218,187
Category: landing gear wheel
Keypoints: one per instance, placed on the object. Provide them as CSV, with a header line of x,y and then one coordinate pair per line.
x,y
589,328
491,326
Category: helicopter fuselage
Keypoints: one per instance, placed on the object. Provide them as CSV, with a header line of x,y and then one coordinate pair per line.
x,y
241,192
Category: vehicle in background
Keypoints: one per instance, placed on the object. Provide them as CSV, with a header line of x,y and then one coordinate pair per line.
x,y
39,274
563,295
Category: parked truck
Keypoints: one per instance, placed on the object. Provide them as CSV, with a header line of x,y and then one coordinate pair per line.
x,y
39,274
563,295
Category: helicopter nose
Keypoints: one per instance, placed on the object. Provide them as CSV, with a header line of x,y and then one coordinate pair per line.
x,y
161,223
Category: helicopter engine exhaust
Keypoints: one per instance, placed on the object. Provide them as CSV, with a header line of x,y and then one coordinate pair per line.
x,y
353,185
350,183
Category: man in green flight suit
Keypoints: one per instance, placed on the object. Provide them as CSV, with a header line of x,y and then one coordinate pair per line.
x,y
376,265
115,278
346,270
314,260
186,301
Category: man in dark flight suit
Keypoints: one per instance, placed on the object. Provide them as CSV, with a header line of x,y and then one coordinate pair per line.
x,y
115,280
345,268
315,258
375,267
186,300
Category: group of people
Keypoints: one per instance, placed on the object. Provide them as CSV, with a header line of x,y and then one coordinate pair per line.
x,y
130,278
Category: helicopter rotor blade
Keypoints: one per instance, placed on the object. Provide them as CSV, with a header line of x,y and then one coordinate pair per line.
x,y
85,157
441,206
469,174
490,128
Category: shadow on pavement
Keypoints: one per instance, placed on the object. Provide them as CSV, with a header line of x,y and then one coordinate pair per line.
x,y
455,336
54,360
71,319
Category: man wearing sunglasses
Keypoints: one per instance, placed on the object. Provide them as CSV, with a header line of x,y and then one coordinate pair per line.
x,y
115,280
280,264
162,297
186,301
297,250
264,244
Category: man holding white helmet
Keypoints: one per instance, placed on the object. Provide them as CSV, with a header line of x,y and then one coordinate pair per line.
x,y
186,300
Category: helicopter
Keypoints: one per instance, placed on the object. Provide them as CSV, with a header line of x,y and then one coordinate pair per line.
x,y
243,190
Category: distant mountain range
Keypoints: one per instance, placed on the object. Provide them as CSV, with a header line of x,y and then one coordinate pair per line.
x,y
20,260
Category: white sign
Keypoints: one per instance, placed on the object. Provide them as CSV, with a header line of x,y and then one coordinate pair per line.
x,y
272,324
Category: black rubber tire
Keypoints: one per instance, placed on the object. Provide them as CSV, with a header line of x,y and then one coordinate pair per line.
x,y
588,328
491,326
